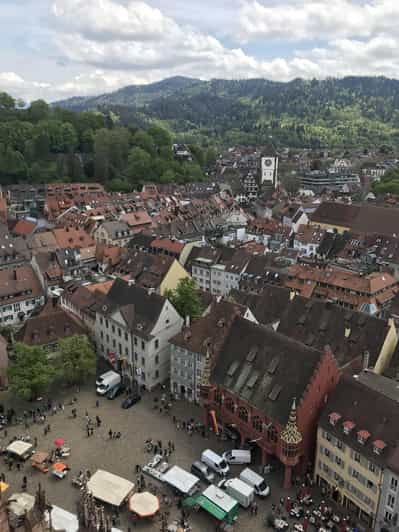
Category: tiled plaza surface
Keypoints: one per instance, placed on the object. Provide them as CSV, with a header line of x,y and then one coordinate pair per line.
x,y
121,456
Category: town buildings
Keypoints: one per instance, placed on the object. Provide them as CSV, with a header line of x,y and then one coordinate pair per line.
x,y
132,331
20,294
368,293
190,348
356,457
265,384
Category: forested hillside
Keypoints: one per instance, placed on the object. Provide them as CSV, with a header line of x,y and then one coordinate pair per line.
x,y
353,111
43,144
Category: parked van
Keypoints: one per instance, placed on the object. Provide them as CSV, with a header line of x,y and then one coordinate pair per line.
x,y
202,471
215,462
237,456
256,481
240,491
107,381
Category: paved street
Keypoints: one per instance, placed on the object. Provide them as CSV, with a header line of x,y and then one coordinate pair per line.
x,y
119,456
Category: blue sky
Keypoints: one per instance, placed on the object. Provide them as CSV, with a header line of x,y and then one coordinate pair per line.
x,y
58,48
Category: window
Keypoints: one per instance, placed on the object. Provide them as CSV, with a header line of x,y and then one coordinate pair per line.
x,y
107,338
372,467
119,332
257,423
142,344
370,485
135,357
157,374
143,376
106,324
230,404
391,501
356,457
394,484
156,359
127,351
135,341
340,445
114,343
156,343
272,434
113,328
388,516
101,320
218,397
120,349
243,414
101,335
126,336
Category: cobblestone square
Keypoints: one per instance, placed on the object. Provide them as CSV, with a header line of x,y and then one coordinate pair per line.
x,y
120,456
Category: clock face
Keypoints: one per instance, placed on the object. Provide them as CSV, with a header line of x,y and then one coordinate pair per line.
x,y
268,162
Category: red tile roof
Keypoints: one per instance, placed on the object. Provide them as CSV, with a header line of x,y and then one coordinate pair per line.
x,y
24,227
173,246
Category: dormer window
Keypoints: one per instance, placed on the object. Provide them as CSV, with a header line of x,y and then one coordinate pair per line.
x,y
334,417
378,446
363,436
348,426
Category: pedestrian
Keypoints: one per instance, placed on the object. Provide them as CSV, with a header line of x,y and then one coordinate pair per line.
x,y
110,434
97,403
35,442
138,468
91,431
88,432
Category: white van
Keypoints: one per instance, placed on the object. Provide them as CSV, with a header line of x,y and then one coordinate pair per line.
x,y
237,456
215,462
256,481
107,381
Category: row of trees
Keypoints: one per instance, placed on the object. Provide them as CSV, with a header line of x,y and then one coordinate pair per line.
x,y
32,372
40,143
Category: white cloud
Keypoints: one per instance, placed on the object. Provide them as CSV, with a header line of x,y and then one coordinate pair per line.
x,y
318,19
106,44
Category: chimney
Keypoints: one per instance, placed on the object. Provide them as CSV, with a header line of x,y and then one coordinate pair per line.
x,y
366,359
187,321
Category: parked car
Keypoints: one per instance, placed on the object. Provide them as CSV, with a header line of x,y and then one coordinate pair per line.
x,y
215,462
237,456
130,401
115,391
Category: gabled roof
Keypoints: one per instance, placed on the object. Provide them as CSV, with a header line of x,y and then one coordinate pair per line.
x,y
72,237
265,368
140,309
24,227
371,403
349,334
144,268
268,306
209,332
50,327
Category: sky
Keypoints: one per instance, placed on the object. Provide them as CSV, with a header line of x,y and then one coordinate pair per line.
x,y
54,49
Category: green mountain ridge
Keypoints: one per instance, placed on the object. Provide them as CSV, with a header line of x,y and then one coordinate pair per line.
x,y
347,112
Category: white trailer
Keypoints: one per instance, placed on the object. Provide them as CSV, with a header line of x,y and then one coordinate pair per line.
x,y
181,480
240,491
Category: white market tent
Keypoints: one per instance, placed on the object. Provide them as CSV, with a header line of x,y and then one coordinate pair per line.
x,y
63,520
19,448
109,488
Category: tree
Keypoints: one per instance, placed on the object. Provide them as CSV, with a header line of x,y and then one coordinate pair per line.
x,y
143,140
186,299
31,374
139,165
38,110
78,359
7,102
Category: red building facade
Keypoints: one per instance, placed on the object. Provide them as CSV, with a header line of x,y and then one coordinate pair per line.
x,y
273,436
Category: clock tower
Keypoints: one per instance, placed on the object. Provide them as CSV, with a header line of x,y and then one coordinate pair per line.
x,y
269,168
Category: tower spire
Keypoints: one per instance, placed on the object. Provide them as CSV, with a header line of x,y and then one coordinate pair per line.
x,y
291,434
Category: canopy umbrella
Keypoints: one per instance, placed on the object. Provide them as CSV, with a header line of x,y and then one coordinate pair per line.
x,y
59,442
144,504
3,487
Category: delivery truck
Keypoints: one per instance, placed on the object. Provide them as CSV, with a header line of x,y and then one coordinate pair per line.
x,y
107,381
181,480
240,491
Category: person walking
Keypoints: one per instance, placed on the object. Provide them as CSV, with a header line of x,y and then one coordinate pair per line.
x,y
110,433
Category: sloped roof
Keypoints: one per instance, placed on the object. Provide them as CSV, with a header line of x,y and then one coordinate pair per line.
x,y
24,227
265,368
349,334
140,309
268,306
372,404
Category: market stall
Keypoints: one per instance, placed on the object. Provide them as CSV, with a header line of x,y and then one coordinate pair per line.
x,y
110,488
144,504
